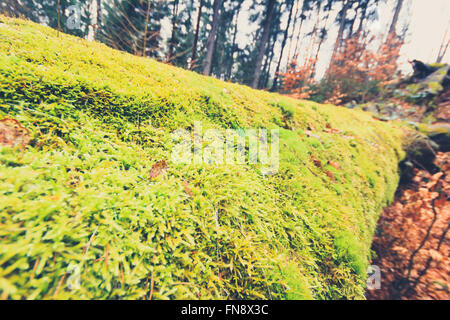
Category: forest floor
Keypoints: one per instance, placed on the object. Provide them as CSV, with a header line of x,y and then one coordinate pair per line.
x,y
411,243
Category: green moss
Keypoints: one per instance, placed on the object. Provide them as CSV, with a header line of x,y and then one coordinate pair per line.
x,y
101,118
351,252
435,87
287,109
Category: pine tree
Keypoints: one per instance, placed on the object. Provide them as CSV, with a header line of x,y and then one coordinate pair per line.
x,y
134,25
289,4
271,4
210,44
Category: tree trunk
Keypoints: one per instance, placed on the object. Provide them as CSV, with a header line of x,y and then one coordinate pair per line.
x,y
266,81
338,42
99,15
283,44
147,15
322,38
233,45
58,13
395,18
197,29
293,32
174,26
297,42
361,21
443,47
268,62
93,20
212,39
263,42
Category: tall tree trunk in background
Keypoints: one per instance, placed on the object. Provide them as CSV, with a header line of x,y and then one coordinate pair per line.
x,y
443,47
197,29
398,7
58,14
174,26
266,81
147,15
233,45
338,42
322,38
297,42
99,15
93,20
263,42
361,21
293,33
283,44
268,62
212,39
313,34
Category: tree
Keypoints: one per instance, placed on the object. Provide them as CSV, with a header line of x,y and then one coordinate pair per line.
x,y
233,44
263,42
306,6
134,25
53,13
443,47
398,7
341,18
174,28
211,38
283,44
197,30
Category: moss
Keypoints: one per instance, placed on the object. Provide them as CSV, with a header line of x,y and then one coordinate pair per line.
x,y
102,118
287,109
437,65
435,87
350,251
413,88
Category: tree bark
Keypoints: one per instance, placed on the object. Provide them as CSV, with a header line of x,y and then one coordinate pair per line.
x,y
147,15
293,32
297,42
338,42
99,15
174,26
197,29
361,21
93,20
283,44
398,7
233,45
263,42
322,38
212,39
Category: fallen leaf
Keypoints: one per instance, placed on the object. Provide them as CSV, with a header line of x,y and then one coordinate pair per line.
x,y
316,162
187,189
334,165
157,169
331,176
12,133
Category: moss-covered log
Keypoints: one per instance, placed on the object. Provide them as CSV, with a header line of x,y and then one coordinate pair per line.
x,y
77,209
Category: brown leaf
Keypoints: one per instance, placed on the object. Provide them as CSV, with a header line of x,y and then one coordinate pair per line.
x,y
331,176
12,133
334,165
157,169
316,162
187,189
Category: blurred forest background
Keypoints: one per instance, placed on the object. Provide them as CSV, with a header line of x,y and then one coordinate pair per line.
x,y
267,44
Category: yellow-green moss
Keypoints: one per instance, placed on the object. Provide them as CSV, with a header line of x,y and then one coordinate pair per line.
x,y
101,118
